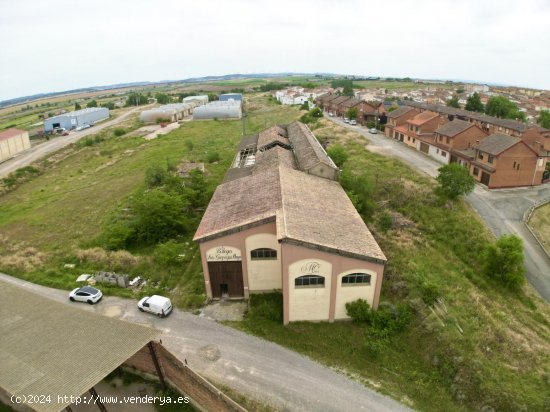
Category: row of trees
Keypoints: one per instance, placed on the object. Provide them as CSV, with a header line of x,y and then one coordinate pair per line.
x,y
498,106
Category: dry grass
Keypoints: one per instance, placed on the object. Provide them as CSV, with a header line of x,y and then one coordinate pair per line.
x,y
540,223
97,255
23,259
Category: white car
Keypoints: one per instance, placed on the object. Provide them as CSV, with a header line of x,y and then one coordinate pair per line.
x,y
373,130
353,122
84,126
157,305
86,294
331,114
346,120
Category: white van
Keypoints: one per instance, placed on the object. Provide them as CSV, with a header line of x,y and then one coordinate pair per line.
x,y
157,305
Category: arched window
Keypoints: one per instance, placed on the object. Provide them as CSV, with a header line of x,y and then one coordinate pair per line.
x,y
263,254
356,279
310,281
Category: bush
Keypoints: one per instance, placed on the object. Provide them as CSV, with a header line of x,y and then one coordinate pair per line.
x,y
213,157
267,306
385,222
155,176
454,181
189,144
337,154
359,311
119,131
429,292
503,261
167,253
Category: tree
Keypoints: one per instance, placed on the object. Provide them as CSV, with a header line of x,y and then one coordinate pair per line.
x,y
544,119
454,180
348,90
474,103
77,106
352,113
91,103
337,154
162,98
500,106
159,216
503,261
109,105
135,99
453,102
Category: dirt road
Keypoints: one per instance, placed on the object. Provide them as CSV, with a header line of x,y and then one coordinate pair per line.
x,y
39,151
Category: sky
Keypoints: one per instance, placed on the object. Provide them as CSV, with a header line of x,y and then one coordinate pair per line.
x,y
58,45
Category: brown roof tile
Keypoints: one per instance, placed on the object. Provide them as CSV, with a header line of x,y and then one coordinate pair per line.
x,y
453,128
422,118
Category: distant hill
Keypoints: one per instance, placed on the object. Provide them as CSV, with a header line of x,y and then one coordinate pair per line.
x,y
24,99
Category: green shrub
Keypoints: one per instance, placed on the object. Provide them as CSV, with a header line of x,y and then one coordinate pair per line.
x,y
503,261
189,144
385,222
429,292
454,181
155,176
167,254
213,157
267,306
338,154
119,131
359,311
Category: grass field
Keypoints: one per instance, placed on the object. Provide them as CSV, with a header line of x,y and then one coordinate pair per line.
x,y
49,220
482,346
540,223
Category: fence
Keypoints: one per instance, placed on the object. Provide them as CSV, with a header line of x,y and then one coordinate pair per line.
x,y
204,395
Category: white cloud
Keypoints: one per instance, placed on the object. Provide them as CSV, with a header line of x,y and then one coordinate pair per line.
x,y
63,44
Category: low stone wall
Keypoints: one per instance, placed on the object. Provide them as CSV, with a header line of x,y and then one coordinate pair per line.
x,y
527,216
179,375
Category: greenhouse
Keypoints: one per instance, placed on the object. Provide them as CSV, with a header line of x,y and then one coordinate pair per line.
x,y
169,112
219,110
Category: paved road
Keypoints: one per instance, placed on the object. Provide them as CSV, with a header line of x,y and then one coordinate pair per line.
x,y
502,210
259,369
39,151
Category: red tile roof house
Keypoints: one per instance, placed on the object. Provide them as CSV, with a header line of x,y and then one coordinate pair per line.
x,y
324,101
335,105
418,131
396,118
507,161
451,139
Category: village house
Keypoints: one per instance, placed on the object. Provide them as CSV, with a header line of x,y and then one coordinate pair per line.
x,y
398,117
281,221
450,140
418,130
507,161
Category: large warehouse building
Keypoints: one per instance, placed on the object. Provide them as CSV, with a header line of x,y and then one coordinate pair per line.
x,y
13,141
281,221
71,120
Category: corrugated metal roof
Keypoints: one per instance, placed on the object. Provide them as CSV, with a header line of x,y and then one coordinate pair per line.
x,y
51,348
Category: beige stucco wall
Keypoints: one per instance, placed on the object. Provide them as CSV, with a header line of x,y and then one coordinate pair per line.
x,y
292,255
309,302
263,275
349,293
13,145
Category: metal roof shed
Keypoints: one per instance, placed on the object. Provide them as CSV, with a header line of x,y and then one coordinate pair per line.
x,y
50,348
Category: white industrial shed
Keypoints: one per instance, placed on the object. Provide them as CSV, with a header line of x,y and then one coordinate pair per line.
x,y
77,118
230,109
171,112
